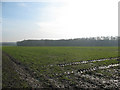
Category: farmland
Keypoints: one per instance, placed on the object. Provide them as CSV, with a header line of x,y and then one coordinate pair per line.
x,y
64,67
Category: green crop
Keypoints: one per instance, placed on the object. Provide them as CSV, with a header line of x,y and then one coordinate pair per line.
x,y
44,60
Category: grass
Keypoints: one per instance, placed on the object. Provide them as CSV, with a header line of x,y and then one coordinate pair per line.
x,y
10,78
35,57
54,55
38,58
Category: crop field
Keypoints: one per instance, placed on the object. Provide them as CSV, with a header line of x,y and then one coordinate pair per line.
x,y
63,67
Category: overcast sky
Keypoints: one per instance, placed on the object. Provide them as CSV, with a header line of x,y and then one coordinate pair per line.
x,y
62,19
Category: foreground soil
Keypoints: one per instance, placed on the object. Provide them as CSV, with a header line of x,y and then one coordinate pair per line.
x,y
16,75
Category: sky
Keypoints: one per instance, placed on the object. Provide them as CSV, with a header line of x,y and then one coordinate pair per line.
x,y
59,19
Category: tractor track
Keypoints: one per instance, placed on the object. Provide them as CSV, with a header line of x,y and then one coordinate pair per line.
x,y
30,76
81,62
24,74
35,82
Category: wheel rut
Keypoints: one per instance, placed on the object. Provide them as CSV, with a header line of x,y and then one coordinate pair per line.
x,y
80,74
24,74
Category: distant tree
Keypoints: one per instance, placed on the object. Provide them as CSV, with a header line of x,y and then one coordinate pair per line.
x,y
92,41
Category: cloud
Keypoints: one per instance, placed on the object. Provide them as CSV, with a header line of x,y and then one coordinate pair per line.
x,y
74,19
80,19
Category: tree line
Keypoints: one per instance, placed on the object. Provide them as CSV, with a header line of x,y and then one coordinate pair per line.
x,y
91,41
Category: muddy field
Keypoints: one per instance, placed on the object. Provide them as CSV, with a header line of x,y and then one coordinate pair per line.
x,y
102,73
